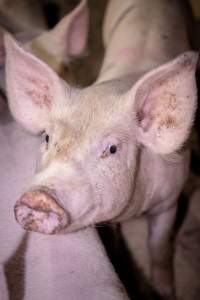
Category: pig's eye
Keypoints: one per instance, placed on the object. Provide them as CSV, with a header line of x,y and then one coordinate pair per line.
x,y
110,148
113,149
47,138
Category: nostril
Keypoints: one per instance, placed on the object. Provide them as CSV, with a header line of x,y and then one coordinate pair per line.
x,y
39,211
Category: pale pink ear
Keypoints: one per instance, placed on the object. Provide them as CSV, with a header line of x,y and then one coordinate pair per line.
x,y
69,37
78,29
165,104
32,87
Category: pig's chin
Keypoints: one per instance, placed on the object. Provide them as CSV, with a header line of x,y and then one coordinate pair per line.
x,y
39,210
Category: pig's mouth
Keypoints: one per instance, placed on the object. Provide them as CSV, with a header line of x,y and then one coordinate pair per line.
x,y
38,210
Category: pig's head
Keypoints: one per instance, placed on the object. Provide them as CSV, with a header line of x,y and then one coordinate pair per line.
x,y
91,137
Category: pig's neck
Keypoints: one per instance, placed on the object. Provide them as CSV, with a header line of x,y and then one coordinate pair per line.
x,y
141,35
157,183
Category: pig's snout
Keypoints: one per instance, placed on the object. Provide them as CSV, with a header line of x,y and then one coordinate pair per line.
x,y
39,211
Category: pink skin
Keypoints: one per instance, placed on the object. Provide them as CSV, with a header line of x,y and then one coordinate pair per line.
x,y
65,255
126,53
65,188
54,266
147,117
71,267
18,162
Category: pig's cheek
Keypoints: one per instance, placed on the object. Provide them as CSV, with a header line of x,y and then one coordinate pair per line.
x,y
43,148
123,185
131,154
38,161
40,157
79,204
109,191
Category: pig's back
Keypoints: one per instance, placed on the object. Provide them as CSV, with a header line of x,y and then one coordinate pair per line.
x,y
140,35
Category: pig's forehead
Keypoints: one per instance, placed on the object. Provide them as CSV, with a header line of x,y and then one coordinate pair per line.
x,y
91,108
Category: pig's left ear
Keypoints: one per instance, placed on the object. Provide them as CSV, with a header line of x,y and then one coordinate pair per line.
x,y
165,101
32,87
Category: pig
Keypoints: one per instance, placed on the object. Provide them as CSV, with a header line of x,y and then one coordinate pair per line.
x,y
68,255
16,167
116,149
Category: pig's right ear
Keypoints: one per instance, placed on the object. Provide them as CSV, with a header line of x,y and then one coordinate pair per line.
x,y
31,86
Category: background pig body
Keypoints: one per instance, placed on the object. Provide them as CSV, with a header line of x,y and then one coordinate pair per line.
x,y
72,267
17,161
126,152
136,39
